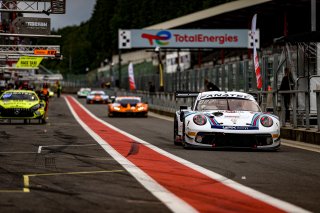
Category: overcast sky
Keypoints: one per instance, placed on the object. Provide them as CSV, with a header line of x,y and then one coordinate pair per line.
x,y
77,11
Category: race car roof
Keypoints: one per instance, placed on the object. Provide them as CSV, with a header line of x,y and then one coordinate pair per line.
x,y
128,97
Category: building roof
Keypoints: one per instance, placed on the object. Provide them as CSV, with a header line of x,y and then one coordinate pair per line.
x,y
207,13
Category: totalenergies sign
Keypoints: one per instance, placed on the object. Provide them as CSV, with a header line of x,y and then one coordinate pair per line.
x,y
223,38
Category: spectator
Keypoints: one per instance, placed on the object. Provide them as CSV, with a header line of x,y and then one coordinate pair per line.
x,y
24,86
45,95
59,89
209,86
286,86
152,88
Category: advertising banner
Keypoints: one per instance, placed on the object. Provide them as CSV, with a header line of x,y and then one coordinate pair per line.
x,y
183,38
255,54
29,62
32,25
132,83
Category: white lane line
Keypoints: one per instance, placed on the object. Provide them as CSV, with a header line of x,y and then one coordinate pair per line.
x,y
215,176
301,145
169,199
40,148
163,117
18,152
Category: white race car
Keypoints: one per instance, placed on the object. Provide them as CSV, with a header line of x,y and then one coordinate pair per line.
x,y
225,120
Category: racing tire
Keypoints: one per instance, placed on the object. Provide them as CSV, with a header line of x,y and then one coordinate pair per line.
x,y
184,144
175,132
43,120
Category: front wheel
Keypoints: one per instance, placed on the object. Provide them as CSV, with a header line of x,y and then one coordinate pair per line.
x,y
184,144
43,120
175,132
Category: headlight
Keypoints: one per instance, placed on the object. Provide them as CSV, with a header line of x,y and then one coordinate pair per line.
x,y
199,120
35,107
266,121
90,96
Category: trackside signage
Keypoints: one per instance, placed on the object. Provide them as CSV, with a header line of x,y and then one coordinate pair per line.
x,y
182,38
29,62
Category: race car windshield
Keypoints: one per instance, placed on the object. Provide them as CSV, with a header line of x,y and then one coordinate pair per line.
x,y
19,96
125,102
97,93
227,104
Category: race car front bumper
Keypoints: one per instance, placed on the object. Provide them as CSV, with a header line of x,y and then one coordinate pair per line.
x,y
234,140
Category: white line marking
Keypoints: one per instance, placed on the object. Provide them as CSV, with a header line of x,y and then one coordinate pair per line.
x,y
18,152
136,171
301,145
40,148
163,117
169,199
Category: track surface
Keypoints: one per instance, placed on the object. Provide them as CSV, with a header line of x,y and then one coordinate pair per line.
x,y
80,176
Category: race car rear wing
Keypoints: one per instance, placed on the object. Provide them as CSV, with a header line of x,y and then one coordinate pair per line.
x,y
186,94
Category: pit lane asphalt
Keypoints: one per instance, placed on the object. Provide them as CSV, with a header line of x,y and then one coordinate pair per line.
x,y
290,174
66,170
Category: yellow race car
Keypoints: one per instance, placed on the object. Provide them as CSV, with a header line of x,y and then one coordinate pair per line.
x,y
22,105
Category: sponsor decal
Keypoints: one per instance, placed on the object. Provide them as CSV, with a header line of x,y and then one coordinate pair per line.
x,y
158,38
235,127
225,95
184,38
16,111
221,39
7,95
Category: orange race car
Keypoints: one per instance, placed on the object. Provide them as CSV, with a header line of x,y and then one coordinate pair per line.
x,y
128,105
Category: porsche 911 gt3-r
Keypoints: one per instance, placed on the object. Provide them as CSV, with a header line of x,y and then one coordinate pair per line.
x,y
23,105
225,120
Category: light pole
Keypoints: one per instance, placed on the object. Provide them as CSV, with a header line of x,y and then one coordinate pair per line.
x,y
157,50
111,74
